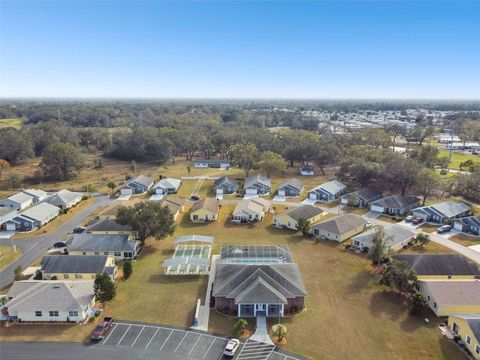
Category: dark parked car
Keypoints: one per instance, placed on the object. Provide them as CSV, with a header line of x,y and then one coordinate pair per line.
x,y
101,329
78,230
417,221
444,229
59,244
195,197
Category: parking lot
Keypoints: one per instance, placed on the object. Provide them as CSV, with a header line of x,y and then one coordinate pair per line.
x,y
180,344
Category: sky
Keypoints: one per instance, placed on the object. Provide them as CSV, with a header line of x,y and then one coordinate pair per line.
x,y
247,49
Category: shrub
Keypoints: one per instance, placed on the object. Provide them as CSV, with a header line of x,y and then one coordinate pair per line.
x,y
127,269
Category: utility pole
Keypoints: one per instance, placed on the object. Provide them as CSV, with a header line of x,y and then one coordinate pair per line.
x,y
451,141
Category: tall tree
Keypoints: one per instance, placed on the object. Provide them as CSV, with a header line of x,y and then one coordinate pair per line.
x,y
304,226
148,218
426,182
244,156
272,163
104,288
400,276
62,161
4,165
379,252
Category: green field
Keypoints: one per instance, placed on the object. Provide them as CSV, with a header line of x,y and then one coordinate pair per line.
x,y
15,123
458,158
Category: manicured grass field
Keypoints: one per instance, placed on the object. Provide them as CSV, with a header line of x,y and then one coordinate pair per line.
x,y
15,123
458,158
465,240
7,256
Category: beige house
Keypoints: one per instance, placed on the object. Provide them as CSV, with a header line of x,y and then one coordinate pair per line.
x,y
339,228
205,210
175,205
77,267
250,210
110,212
289,218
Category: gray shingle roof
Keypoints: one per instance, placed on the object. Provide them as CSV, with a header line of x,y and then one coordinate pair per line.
x,y
142,180
45,295
20,198
41,211
454,292
293,182
470,220
35,192
397,201
333,187
6,212
260,292
207,203
304,211
226,180
108,225
439,264
100,242
448,209
257,178
168,183
474,322
365,193
63,197
68,264
341,224
394,234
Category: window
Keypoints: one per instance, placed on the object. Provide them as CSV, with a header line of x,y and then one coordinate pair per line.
x,y
477,349
73,313
93,276
84,253
105,253
38,313
428,298
66,276
97,253
195,217
53,313
449,277
78,276
117,253
435,305
469,340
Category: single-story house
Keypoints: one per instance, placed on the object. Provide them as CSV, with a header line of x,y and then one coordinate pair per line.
x,y
110,212
167,186
449,297
110,226
470,224
257,279
307,171
467,326
65,199
38,195
77,267
250,210
291,187
361,197
174,204
328,191
205,210
395,205
137,185
121,246
19,201
442,213
396,237
289,218
212,163
257,184
6,214
441,266
49,301
35,217
339,228
226,185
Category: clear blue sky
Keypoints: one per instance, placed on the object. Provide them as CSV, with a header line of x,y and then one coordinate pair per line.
x,y
245,49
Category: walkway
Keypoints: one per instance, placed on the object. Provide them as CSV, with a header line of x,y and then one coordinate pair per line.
x,y
261,332
204,311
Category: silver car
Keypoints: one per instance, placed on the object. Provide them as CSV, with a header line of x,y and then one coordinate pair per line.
x,y
231,347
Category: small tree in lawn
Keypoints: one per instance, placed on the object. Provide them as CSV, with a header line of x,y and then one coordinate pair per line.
x,y
112,185
379,252
401,276
280,332
127,269
189,169
104,288
241,326
304,226
18,272
419,304
422,239
133,166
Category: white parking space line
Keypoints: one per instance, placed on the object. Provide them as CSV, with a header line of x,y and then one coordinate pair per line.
x,y
209,348
180,343
146,347
194,344
110,333
125,333
134,341
171,331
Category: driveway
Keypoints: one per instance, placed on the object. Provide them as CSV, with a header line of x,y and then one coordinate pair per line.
x,y
35,246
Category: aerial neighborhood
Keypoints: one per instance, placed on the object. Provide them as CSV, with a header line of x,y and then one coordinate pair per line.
x,y
245,245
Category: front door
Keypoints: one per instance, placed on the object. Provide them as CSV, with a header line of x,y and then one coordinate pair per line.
x,y
455,328
260,307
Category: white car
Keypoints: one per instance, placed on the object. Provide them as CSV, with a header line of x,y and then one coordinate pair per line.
x,y
231,347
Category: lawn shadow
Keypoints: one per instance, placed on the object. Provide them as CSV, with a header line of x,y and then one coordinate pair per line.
x,y
388,302
161,278
361,281
413,322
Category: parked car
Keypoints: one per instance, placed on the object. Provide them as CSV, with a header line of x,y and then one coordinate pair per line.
x,y
444,229
195,197
78,230
102,329
59,244
368,224
417,221
409,218
231,347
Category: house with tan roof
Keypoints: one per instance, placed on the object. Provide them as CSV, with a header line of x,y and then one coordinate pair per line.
x,y
289,219
205,210
339,228
250,210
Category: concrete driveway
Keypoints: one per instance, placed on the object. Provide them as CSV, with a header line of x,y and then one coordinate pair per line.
x,y
34,247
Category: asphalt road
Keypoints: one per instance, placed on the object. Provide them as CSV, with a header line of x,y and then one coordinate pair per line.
x,y
32,248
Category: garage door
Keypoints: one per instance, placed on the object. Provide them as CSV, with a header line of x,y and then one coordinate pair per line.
x,y
10,227
377,208
458,225
126,191
251,191
281,192
312,196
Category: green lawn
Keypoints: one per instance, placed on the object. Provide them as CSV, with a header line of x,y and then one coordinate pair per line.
x,y
457,158
15,123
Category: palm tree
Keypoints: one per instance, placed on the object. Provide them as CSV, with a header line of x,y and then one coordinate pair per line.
x,y
241,325
280,332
